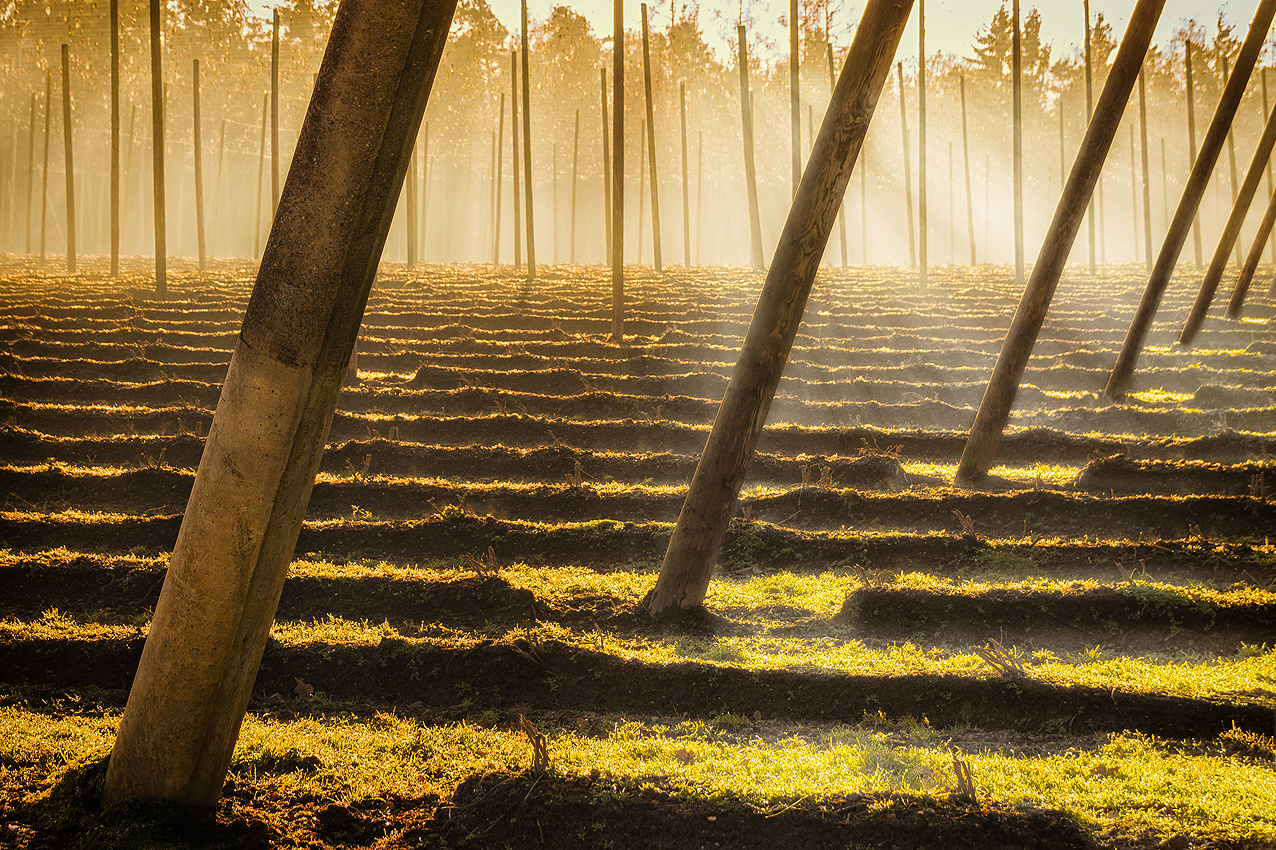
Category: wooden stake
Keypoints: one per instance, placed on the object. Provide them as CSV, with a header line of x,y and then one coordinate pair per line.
x,y
618,174
1119,379
651,145
516,152
697,538
527,154
607,214
30,171
498,180
575,167
410,196
686,191
199,167
1231,232
44,174
750,171
965,158
841,210
908,169
114,12
642,182
1089,113
795,108
69,160
213,617
1190,92
1016,70
923,231
994,409
1237,301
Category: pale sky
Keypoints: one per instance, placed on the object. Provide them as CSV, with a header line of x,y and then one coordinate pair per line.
x,y
951,24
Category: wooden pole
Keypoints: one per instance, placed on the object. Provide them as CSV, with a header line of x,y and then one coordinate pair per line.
x,y
1231,162
923,230
602,79
686,190
952,191
908,169
575,167
517,153
1089,113
217,189
965,158
199,166
69,159
1231,232
1237,301
697,538
114,13
865,165
500,180
527,153
30,171
128,166
1063,156
699,187
261,166
1190,92
618,174
1134,202
1119,379
841,210
795,108
994,409
410,197
274,113
553,204
44,174
1270,190
750,172
423,208
1016,71
213,617
642,182
1165,189
651,144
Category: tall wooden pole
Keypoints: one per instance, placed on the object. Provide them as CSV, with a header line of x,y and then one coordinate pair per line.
x,y
157,153
994,408
1134,203
1119,379
908,169
795,108
1016,71
261,166
750,172
697,538
1089,113
575,165
1231,163
1237,301
199,166
527,153
1190,93
274,114
965,157
699,187
211,623
686,189
500,180
618,174
410,197
1165,189
517,153
602,79
922,227
114,12
841,210
128,166
217,189
651,143
1231,232
30,171
642,182
44,173
423,207
69,161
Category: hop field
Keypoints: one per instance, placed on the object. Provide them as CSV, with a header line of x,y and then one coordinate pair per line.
x,y
1080,656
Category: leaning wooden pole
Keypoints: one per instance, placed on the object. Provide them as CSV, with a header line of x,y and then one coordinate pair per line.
x,y
965,158
750,170
69,160
841,210
908,168
923,229
697,538
1190,93
686,190
210,626
1237,301
618,173
114,12
1016,72
1119,379
1231,232
994,409
527,151
651,143
199,166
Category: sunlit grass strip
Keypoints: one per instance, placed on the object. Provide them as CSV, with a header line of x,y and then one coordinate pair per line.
x,y
1122,785
1050,474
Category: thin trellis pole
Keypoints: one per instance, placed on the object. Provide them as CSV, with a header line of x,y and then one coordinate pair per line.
x,y
261,167
606,137
923,230
516,153
69,161
157,152
908,169
1165,189
114,13
498,181
686,190
44,174
1270,190
965,157
1134,201
1190,94
841,210
1016,71
795,108
274,114
409,198
750,172
1147,183
198,159
217,190
30,170
699,186
527,152
618,174
651,144
128,166
571,253
1089,114
642,184
1231,162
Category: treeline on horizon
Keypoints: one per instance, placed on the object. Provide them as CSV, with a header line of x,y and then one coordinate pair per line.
x,y
234,48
